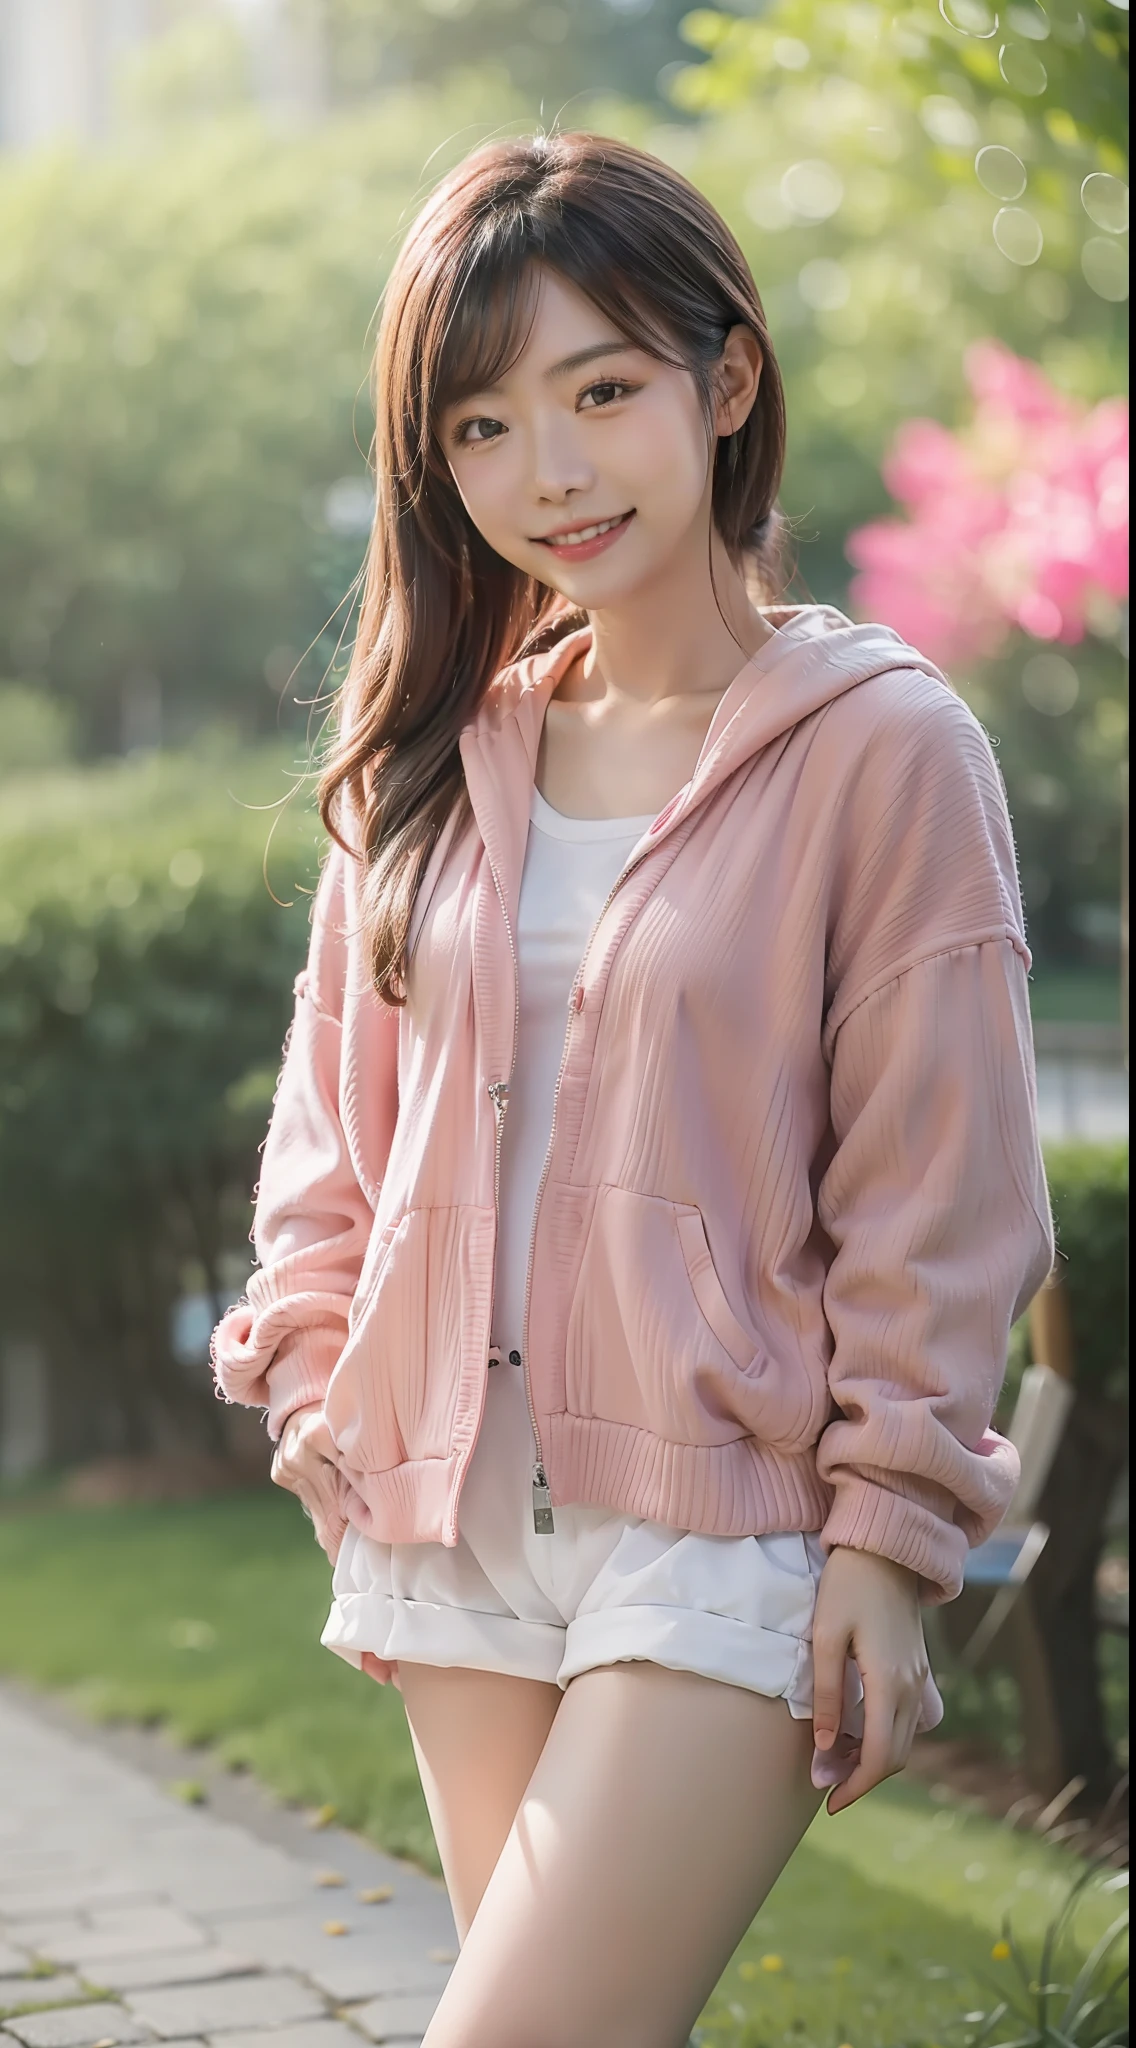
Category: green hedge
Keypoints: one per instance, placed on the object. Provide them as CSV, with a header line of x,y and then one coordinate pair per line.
x,y
145,985
1089,1187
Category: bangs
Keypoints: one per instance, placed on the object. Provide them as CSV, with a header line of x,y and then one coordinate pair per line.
x,y
479,326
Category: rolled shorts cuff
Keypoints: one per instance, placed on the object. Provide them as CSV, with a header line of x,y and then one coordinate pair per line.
x,y
426,1632
708,1645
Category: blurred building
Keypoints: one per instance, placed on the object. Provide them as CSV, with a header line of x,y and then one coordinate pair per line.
x,y
59,59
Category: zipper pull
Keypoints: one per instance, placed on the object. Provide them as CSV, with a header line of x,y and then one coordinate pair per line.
x,y
499,1093
542,1504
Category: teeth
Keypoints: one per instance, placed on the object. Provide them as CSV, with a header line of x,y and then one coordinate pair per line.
x,y
573,540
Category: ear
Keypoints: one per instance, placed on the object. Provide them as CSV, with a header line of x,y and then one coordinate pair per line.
x,y
737,376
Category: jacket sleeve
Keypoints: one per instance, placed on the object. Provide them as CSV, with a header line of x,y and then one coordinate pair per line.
x,y
278,1348
934,1195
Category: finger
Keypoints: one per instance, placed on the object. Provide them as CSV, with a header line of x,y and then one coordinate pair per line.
x,y
299,1468
830,1650
906,1729
327,1516
875,1749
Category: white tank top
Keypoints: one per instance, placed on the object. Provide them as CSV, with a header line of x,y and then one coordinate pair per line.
x,y
570,865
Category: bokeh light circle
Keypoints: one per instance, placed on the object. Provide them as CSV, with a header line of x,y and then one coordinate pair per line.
x,y
1018,235
1104,262
1067,23
790,53
1050,684
1027,19
970,18
1022,70
1105,200
1000,172
825,285
812,189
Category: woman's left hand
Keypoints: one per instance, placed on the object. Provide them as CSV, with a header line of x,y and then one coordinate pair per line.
x,y
868,1608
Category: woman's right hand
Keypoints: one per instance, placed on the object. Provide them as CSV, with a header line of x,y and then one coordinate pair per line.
x,y
302,1465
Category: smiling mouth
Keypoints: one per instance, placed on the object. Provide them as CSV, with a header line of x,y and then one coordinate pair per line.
x,y
571,540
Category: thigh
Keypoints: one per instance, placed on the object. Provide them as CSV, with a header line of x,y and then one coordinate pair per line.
x,y
476,1736
661,1811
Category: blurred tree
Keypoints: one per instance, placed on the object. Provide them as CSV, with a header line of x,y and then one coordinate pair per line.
x,y
184,417
146,967
872,162
551,51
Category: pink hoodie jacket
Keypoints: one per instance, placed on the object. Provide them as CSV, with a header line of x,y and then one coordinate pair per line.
x,y
794,1195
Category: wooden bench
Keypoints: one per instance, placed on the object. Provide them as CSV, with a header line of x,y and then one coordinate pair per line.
x,y
1030,1600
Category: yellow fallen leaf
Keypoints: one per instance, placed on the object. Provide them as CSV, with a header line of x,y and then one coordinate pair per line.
x,y
772,1963
328,1879
336,1927
322,1817
189,1791
377,1894
1001,1951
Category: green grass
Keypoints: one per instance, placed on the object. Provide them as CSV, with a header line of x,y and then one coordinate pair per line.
x,y
205,1617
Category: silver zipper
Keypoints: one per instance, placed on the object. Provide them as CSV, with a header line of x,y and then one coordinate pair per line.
x,y
498,1092
542,1498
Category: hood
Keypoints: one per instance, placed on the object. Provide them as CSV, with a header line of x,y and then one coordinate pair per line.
x,y
814,655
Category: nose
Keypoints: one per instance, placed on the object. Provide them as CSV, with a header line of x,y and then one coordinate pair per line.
x,y
561,467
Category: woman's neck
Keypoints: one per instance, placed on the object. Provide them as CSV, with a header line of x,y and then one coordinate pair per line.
x,y
686,634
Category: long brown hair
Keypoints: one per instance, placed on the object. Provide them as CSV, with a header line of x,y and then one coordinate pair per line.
x,y
440,611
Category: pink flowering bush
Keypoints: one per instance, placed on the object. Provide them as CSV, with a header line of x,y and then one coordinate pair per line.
x,y
1019,520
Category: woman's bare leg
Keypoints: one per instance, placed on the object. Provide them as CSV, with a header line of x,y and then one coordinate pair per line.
x,y
660,1812
477,1736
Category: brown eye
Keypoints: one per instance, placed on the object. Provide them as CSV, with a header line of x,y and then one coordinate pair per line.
x,y
605,392
486,430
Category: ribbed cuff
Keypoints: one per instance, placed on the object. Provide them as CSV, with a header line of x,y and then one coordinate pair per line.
x,y
298,1375
867,1517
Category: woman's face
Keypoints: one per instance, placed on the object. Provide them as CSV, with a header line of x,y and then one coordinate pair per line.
x,y
587,465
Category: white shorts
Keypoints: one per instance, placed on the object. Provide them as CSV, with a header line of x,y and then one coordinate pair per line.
x,y
603,1588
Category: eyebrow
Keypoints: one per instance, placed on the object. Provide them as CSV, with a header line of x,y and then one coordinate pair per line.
x,y
567,364
589,355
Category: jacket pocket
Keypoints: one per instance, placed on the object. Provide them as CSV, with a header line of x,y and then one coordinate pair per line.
x,y
653,1342
707,1288
415,1340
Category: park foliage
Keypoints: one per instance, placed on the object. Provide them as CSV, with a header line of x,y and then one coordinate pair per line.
x,y
149,937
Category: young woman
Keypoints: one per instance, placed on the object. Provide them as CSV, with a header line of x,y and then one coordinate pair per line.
x,y
654,1174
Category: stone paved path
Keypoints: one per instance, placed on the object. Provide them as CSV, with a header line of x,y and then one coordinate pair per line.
x,y
126,1915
